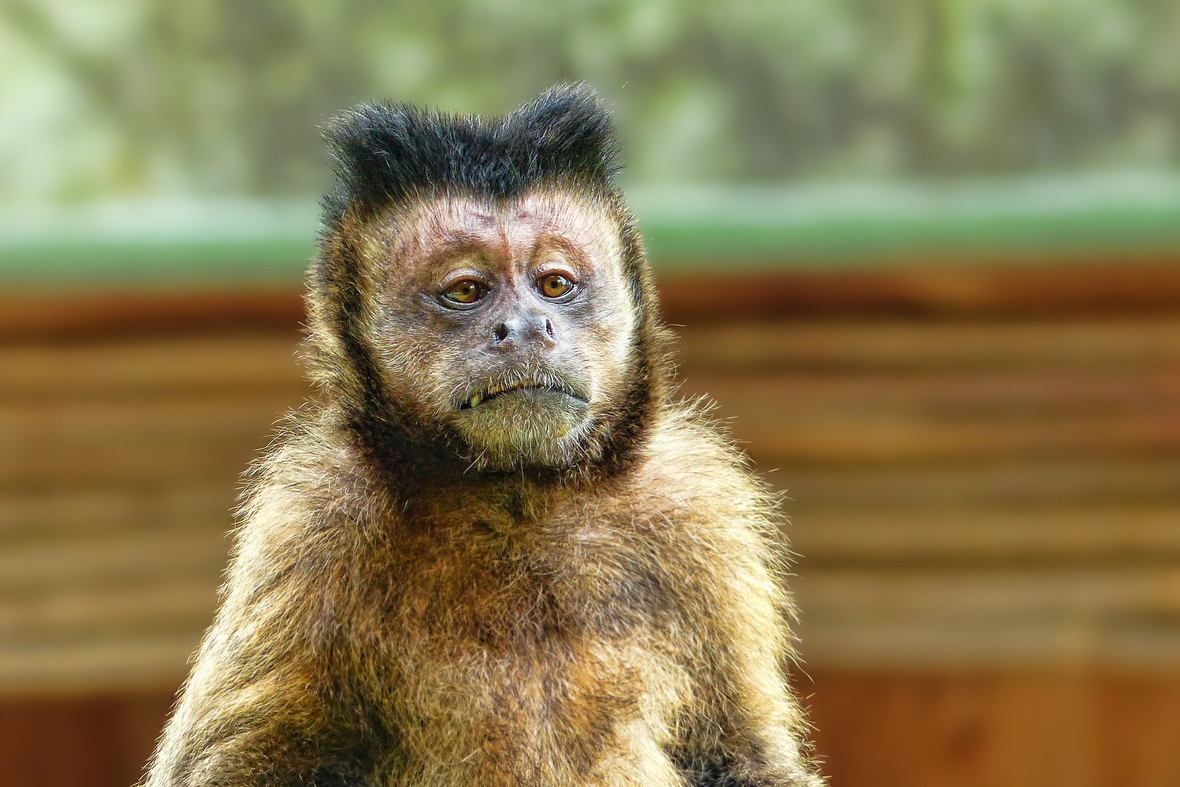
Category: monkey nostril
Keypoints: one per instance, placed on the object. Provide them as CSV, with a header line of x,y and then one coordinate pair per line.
x,y
500,331
549,328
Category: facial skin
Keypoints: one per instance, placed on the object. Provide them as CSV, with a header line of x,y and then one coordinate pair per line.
x,y
508,324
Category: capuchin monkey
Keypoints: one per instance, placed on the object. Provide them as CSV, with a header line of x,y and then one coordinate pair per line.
x,y
495,551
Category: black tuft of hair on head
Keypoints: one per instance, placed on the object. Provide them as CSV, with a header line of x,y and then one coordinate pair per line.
x,y
386,153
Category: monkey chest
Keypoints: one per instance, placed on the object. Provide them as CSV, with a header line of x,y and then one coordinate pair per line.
x,y
578,712
505,671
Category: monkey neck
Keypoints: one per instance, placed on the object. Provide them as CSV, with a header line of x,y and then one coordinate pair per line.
x,y
433,484
410,461
421,466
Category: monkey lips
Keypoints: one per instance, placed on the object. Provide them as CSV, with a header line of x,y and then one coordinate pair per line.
x,y
534,415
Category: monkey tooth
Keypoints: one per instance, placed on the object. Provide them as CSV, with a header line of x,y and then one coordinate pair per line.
x,y
473,401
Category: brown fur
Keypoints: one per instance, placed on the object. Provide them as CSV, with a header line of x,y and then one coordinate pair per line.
x,y
406,609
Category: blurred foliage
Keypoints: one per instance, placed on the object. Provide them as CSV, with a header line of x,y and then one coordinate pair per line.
x,y
133,98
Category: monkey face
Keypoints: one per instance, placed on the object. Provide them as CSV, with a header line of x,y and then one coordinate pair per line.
x,y
507,325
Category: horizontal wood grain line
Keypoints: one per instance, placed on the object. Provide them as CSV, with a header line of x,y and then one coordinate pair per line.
x,y
151,366
1093,343
1007,482
99,316
756,393
890,438
954,643
63,511
1091,535
993,592
926,290
29,569
30,428
147,659
66,615
108,464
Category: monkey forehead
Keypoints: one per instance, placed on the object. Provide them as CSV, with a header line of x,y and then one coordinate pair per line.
x,y
510,230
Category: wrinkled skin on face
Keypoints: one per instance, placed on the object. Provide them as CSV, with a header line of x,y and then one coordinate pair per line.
x,y
507,324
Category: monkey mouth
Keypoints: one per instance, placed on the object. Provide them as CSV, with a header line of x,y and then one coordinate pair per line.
x,y
524,387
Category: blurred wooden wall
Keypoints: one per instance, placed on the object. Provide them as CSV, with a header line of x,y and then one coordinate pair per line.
x,y
982,467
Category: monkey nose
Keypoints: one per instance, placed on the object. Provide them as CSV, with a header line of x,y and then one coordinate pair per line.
x,y
522,331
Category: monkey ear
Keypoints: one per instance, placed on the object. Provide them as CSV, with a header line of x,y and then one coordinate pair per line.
x,y
564,131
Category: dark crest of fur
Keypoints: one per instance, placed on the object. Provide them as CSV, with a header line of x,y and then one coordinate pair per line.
x,y
387,153
393,154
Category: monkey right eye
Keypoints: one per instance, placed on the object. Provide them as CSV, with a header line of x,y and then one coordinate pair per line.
x,y
465,292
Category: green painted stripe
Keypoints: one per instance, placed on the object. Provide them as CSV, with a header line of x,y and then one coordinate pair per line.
x,y
863,225
170,243
1018,221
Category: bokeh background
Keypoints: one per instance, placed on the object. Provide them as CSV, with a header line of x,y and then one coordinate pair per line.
x,y
925,255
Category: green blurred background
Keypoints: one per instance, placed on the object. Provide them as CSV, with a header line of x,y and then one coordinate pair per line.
x,y
135,98
925,253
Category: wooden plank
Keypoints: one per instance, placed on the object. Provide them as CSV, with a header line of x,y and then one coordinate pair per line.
x,y
985,727
89,740
149,659
1012,481
926,290
968,642
755,394
135,442
849,346
1088,535
957,617
54,426
1008,593
969,729
58,439
93,316
97,467
65,512
63,616
1138,724
145,366
893,439
28,568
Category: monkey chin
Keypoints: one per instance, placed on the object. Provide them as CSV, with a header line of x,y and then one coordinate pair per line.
x,y
523,427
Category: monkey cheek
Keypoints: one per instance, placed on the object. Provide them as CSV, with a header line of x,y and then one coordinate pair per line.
x,y
528,427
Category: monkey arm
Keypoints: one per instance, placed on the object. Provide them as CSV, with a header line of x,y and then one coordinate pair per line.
x,y
270,700
719,552
269,731
756,735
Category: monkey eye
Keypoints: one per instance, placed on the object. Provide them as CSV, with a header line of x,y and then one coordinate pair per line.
x,y
465,292
554,285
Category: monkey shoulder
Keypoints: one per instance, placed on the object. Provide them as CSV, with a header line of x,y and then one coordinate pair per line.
x,y
694,473
705,522
307,513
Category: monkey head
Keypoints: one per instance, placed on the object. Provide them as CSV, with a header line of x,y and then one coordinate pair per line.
x,y
507,324
481,291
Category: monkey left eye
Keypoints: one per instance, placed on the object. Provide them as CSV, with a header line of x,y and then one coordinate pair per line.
x,y
554,285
